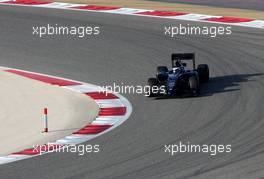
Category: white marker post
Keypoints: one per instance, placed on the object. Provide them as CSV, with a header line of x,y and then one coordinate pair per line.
x,y
45,120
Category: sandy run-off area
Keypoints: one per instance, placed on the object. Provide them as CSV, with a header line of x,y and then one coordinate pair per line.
x,y
21,112
178,7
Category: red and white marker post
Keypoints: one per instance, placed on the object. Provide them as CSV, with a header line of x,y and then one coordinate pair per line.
x,y
45,120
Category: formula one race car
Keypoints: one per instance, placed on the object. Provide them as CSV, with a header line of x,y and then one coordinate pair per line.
x,y
179,80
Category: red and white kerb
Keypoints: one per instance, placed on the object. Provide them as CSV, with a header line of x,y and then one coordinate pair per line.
x,y
247,22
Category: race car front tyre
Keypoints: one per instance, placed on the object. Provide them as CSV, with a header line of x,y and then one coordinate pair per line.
x,y
203,71
194,85
162,73
152,82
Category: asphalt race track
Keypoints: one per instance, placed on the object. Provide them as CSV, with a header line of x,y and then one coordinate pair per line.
x,y
229,111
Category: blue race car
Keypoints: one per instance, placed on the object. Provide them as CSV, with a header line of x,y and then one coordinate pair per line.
x,y
179,80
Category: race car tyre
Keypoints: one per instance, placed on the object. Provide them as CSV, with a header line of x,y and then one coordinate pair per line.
x,y
162,73
203,71
152,82
194,85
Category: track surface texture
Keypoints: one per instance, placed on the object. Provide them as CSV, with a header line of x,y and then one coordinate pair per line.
x,y
240,4
229,111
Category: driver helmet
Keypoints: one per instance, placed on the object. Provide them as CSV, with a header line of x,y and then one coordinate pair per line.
x,y
178,64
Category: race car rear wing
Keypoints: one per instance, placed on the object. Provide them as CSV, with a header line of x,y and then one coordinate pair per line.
x,y
182,56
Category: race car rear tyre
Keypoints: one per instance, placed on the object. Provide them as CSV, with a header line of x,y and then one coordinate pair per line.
x,y
162,69
152,82
194,85
203,71
162,74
